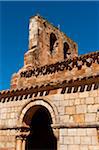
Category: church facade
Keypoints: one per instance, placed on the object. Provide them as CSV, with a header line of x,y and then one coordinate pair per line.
x,y
53,102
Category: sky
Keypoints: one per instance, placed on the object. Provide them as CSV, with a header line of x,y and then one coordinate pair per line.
x,y
79,20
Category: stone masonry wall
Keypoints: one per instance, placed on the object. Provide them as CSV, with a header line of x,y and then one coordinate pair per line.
x,y
74,109
79,139
7,139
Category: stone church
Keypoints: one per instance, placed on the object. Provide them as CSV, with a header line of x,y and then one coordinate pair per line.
x,y
53,102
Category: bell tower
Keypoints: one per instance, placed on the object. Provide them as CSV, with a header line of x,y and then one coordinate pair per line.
x,y
47,44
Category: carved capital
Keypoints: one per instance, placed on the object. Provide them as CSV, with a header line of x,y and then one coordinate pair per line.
x,y
22,133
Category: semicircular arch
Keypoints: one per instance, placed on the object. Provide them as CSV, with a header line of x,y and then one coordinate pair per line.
x,y
39,102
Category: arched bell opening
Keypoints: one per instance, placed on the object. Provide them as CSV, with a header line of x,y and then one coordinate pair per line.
x,y
41,136
65,49
53,39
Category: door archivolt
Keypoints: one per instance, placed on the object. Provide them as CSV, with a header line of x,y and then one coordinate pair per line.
x,y
39,115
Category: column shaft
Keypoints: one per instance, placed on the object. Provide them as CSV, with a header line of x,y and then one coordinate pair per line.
x,y
19,144
23,144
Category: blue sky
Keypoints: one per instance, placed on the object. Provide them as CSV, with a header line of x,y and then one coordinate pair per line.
x,y
79,20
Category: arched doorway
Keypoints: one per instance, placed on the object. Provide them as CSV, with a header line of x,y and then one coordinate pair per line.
x,y
41,135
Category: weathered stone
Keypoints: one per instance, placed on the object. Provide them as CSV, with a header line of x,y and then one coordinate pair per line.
x,y
70,110
71,147
81,109
90,117
68,140
86,140
80,118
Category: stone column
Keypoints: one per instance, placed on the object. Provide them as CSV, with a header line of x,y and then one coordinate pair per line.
x,y
21,136
18,143
24,143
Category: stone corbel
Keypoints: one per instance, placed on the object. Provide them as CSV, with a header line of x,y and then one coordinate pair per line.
x,y
55,131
